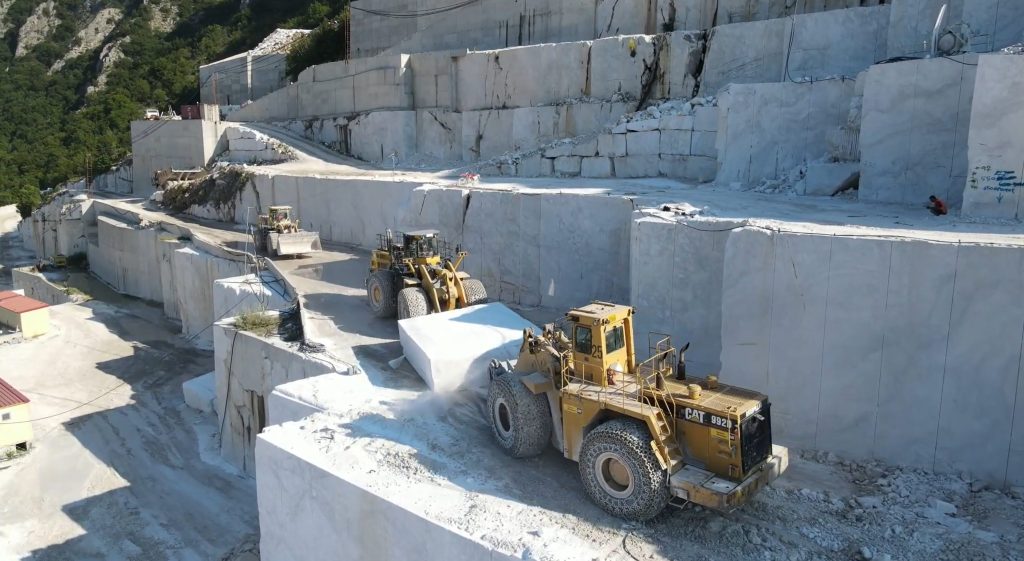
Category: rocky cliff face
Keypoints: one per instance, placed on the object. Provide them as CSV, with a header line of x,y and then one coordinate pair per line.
x,y
40,24
94,34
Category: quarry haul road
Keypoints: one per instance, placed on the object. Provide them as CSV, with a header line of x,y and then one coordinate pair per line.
x,y
121,477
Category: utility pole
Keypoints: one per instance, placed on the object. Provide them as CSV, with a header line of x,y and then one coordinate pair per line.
x,y
88,173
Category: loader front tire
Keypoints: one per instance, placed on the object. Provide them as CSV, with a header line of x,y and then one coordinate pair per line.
x,y
475,292
412,302
520,419
620,471
380,293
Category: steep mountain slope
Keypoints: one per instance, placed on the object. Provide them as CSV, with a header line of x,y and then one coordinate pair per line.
x,y
77,71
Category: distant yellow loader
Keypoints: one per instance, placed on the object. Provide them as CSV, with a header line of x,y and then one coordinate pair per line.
x,y
278,233
416,273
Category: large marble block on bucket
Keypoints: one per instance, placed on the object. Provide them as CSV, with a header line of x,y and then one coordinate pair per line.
x,y
452,349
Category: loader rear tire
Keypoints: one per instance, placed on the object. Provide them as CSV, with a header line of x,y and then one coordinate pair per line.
x,y
380,293
475,292
520,419
412,302
620,471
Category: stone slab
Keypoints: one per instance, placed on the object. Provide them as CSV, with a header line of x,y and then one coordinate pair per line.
x,y
353,518
676,142
586,148
200,392
916,331
985,334
637,166
451,350
858,279
767,130
567,165
995,150
597,167
823,179
913,139
611,145
646,143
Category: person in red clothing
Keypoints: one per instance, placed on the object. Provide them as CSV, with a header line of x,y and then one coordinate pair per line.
x,y
937,206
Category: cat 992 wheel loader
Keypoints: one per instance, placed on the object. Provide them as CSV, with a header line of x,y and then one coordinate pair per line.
x,y
416,273
643,433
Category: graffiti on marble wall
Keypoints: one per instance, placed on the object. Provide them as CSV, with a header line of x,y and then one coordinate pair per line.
x,y
998,182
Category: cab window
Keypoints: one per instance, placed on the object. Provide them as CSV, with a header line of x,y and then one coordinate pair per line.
x,y
582,341
614,339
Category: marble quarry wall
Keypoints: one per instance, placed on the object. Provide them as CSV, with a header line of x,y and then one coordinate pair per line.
x,y
995,148
913,137
247,369
904,350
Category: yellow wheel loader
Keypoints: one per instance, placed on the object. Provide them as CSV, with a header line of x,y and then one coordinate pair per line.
x,y
278,233
643,433
415,273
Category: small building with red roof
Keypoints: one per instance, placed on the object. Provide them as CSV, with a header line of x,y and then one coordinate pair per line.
x,y
27,315
15,421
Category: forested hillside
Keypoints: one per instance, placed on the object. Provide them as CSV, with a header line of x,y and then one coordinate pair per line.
x,y
75,72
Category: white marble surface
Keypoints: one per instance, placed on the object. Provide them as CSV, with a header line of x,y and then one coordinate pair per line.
x,y
247,368
905,351
767,130
451,350
200,392
993,24
523,76
677,285
995,149
383,474
838,42
913,136
194,273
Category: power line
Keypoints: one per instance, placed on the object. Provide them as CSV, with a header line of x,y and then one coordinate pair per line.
x,y
415,13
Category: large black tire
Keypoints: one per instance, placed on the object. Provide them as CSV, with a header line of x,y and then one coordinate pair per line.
x,y
520,419
620,471
475,292
268,245
412,302
381,290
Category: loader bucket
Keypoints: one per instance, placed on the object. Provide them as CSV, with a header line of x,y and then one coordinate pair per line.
x,y
296,243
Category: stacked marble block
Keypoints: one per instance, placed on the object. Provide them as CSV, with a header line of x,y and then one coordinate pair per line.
x,y
246,146
679,146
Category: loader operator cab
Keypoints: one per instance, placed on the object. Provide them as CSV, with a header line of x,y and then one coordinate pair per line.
x,y
423,244
602,342
277,216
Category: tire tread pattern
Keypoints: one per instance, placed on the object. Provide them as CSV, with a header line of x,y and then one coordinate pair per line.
x,y
630,439
530,417
475,292
389,300
412,302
